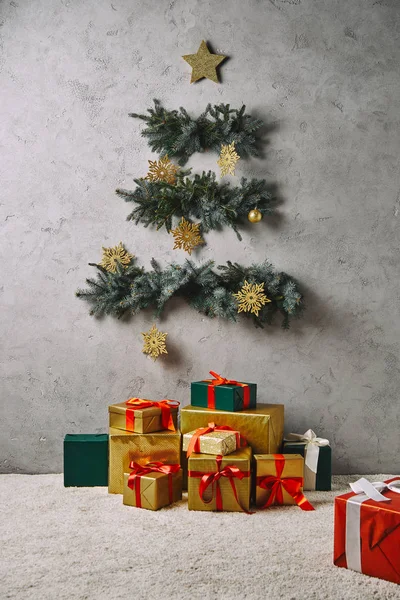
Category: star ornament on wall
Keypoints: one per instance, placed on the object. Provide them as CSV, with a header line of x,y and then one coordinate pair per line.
x,y
204,63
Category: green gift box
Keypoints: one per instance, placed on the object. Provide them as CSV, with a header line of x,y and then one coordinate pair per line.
x,y
85,460
317,456
223,394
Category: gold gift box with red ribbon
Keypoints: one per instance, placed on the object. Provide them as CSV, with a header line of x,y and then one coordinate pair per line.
x,y
279,480
212,440
125,447
220,483
152,485
223,394
367,532
144,416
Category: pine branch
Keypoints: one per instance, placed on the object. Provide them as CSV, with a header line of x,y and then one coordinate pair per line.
x,y
177,134
210,292
201,197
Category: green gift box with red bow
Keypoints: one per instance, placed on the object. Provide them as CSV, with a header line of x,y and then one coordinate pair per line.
x,y
220,393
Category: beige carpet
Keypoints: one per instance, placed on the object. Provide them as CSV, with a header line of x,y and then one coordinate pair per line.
x,y
81,543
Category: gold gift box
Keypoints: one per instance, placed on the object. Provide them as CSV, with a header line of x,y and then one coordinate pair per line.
x,y
204,463
146,420
265,465
163,446
214,442
262,427
154,490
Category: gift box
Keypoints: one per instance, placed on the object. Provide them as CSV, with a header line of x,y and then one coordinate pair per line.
x,y
220,483
367,529
85,460
153,485
261,427
144,416
223,394
279,480
125,447
317,458
211,440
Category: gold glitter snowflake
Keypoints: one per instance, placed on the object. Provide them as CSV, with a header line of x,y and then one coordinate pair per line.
x,y
162,170
154,343
228,159
114,256
251,298
187,236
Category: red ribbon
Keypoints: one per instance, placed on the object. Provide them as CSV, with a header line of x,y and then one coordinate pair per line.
x,y
231,472
218,380
275,484
152,467
167,421
194,444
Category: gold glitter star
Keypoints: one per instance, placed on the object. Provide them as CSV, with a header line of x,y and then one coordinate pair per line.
x,y
154,343
187,235
251,298
204,63
228,159
114,256
162,170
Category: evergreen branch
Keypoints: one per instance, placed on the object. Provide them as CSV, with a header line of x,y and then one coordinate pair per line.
x,y
201,197
210,292
175,133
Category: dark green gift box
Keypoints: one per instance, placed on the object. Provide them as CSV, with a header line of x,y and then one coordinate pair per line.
x,y
324,467
86,460
227,397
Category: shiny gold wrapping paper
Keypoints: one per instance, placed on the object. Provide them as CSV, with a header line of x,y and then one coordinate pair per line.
x,y
207,464
154,490
215,442
262,427
163,446
147,420
265,465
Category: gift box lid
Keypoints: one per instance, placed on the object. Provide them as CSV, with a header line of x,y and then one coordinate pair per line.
x,y
207,463
231,386
86,437
121,408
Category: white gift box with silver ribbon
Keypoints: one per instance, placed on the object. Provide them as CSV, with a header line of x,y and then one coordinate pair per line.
x,y
311,454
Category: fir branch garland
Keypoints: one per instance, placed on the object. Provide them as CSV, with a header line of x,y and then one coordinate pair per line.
x,y
132,289
201,198
175,133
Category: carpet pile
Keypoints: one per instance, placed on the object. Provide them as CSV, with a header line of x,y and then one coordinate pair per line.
x,y
81,543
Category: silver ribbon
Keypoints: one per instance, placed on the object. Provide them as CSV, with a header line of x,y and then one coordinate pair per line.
x,y
365,490
311,454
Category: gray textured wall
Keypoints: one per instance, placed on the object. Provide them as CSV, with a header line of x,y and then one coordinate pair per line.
x,y
326,72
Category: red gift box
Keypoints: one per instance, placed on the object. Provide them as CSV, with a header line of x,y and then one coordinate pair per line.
x,y
367,531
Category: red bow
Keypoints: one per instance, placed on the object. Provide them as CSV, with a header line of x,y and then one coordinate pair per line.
x,y
212,479
218,380
194,444
167,421
152,467
275,484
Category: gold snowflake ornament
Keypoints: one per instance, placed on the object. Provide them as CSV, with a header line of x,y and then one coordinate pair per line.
x,y
114,256
187,235
162,170
154,343
228,159
251,298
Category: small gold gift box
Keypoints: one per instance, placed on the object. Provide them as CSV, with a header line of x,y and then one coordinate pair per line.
x,y
214,442
279,479
147,488
144,416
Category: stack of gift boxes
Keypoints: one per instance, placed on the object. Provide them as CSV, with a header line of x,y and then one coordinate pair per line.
x,y
228,452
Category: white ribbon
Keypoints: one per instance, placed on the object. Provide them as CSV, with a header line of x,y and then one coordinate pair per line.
x,y
311,454
365,490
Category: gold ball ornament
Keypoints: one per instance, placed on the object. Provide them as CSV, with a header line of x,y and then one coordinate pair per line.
x,y
255,216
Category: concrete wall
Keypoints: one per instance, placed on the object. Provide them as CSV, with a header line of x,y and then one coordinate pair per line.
x,y
326,73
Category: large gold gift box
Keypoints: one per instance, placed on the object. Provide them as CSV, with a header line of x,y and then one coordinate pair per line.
x,y
154,490
203,464
162,446
138,420
214,442
262,427
266,465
